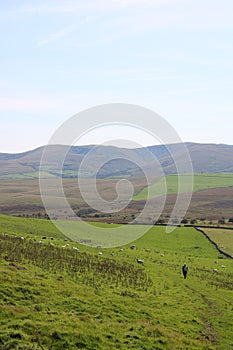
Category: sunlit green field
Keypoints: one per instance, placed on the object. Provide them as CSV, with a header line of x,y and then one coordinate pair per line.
x,y
56,297
169,184
223,238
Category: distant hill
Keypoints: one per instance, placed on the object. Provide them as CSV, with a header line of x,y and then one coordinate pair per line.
x,y
206,158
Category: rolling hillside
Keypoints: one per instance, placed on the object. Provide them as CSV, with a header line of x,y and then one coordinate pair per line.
x,y
206,158
56,297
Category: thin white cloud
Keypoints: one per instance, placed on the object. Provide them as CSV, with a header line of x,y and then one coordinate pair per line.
x,y
74,6
30,104
122,18
153,78
55,36
141,74
190,14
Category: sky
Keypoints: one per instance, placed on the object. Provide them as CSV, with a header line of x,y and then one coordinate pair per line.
x,y
61,57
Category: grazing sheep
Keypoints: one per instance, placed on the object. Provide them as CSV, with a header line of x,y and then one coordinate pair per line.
x,y
139,261
223,266
162,254
100,253
121,250
147,250
133,246
22,238
51,238
40,242
75,248
215,270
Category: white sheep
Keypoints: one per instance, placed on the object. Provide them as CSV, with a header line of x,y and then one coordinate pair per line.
x,y
140,261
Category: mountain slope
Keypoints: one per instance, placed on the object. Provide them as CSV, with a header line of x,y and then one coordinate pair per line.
x,y
206,158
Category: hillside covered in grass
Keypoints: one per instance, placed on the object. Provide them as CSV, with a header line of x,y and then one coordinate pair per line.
x,y
200,182
206,158
58,294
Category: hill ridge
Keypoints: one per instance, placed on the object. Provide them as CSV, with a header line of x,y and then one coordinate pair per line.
x,y
206,158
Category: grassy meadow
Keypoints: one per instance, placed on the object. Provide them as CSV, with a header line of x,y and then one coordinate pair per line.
x,y
223,238
200,182
58,294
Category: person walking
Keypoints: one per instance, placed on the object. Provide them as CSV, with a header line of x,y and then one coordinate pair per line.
x,y
185,270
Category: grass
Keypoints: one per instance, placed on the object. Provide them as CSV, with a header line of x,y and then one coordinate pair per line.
x,y
29,227
22,197
200,182
55,297
223,238
26,176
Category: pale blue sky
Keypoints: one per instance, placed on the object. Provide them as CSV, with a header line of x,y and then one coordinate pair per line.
x,y
59,57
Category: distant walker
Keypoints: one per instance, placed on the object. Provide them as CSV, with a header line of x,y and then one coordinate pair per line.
x,y
185,270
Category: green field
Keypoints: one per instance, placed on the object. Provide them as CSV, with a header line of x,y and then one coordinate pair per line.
x,y
22,197
26,176
55,297
223,238
200,182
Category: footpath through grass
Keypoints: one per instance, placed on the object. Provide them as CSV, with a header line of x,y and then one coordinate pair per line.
x,y
200,182
57,294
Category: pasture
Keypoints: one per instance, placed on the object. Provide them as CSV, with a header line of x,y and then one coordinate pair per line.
x,y
210,200
200,182
222,237
58,294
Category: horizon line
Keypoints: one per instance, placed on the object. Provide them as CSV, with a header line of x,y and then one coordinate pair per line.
x,y
112,145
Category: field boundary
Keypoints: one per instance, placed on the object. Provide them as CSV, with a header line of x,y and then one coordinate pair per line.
x,y
214,243
209,226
